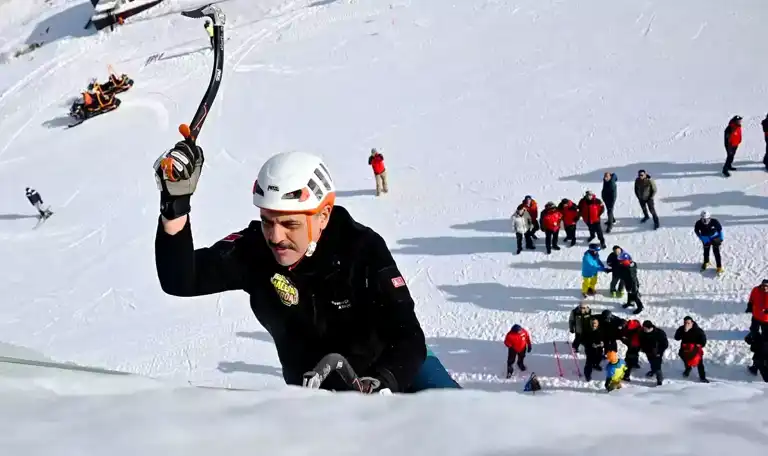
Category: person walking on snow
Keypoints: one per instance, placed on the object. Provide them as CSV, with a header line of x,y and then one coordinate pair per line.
x,y
518,342
645,191
630,336
319,281
654,342
609,198
522,225
692,342
710,233
590,266
570,217
533,208
591,208
579,322
757,305
627,271
617,285
376,161
615,370
550,225
209,28
732,141
758,344
37,201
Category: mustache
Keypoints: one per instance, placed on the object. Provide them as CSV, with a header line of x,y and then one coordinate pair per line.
x,y
282,245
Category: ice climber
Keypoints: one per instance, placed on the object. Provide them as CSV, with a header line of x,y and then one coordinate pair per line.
x,y
645,191
522,226
654,342
591,265
591,209
518,343
692,341
319,282
732,138
615,370
609,198
579,323
376,162
710,233
570,217
550,225
37,201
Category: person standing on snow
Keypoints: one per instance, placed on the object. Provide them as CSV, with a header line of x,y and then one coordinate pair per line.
x,y
757,305
376,161
627,270
654,342
533,208
732,141
518,342
645,191
692,342
759,346
612,329
579,322
594,348
591,208
609,198
590,266
765,134
615,370
710,233
617,285
570,217
522,225
550,225
37,201
630,336
319,282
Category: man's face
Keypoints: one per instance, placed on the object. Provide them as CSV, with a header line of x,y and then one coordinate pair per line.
x,y
688,324
595,324
641,175
583,308
617,251
289,235
607,176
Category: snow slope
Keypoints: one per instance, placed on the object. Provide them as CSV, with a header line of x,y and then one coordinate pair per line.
x,y
474,105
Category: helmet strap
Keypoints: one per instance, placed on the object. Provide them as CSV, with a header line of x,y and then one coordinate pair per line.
x,y
312,244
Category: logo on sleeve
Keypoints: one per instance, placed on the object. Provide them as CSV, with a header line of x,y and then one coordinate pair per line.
x,y
398,282
287,292
232,237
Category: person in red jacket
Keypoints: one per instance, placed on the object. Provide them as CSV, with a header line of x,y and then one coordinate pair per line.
x,y
758,307
591,208
550,225
518,342
732,141
570,217
376,160
533,209
630,336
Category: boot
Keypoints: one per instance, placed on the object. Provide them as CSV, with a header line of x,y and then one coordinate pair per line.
x,y
687,372
720,270
555,247
644,219
522,367
752,369
704,265
638,310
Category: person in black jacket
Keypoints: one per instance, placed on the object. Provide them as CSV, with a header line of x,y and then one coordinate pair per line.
x,y
37,201
710,233
594,347
765,134
654,342
617,285
612,327
692,342
626,269
758,343
609,198
319,282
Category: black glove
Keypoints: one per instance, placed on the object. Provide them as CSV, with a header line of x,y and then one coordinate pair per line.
x,y
177,172
530,347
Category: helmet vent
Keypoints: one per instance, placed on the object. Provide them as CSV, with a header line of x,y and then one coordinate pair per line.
x,y
315,189
323,179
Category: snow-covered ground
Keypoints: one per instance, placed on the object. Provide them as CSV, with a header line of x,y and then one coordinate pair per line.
x,y
474,105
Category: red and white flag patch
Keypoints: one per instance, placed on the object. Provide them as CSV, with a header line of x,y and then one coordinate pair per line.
x,y
232,237
398,282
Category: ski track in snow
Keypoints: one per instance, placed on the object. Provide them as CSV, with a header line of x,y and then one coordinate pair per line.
x,y
474,105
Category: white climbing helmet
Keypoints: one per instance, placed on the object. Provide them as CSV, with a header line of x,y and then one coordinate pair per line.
x,y
705,215
294,182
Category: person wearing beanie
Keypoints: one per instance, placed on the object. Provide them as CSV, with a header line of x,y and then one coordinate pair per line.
x,y
654,342
518,343
692,341
591,264
614,371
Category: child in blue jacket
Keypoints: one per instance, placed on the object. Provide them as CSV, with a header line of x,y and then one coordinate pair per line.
x,y
591,264
614,371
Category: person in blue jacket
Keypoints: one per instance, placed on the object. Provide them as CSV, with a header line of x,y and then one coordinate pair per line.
x,y
591,264
614,371
710,233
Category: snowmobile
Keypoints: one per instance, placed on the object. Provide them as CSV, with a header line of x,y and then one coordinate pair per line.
x,y
114,84
92,104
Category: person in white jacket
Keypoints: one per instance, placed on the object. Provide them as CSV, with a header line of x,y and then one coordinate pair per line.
x,y
522,227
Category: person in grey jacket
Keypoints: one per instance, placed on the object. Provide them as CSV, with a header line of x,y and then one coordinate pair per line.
x,y
579,322
645,191
522,225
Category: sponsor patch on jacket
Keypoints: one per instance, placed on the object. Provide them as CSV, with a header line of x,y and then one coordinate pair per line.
x,y
232,237
287,292
398,282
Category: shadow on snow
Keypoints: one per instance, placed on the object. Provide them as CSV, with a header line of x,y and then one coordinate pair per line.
x,y
69,23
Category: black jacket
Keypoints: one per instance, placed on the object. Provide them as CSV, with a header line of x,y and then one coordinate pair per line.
x,y
707,229
34,197
347,298
608,194
695,335
654,343
628,276
612,327
597,342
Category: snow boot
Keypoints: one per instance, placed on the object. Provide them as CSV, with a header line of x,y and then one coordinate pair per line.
x,y
614,294
752,369
638,310
644,219
704,380
687,372
555,247
704,265
719,270
522,367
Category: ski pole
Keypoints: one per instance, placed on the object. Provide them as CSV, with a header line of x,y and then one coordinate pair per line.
x,y
557,357
575,361
191,131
